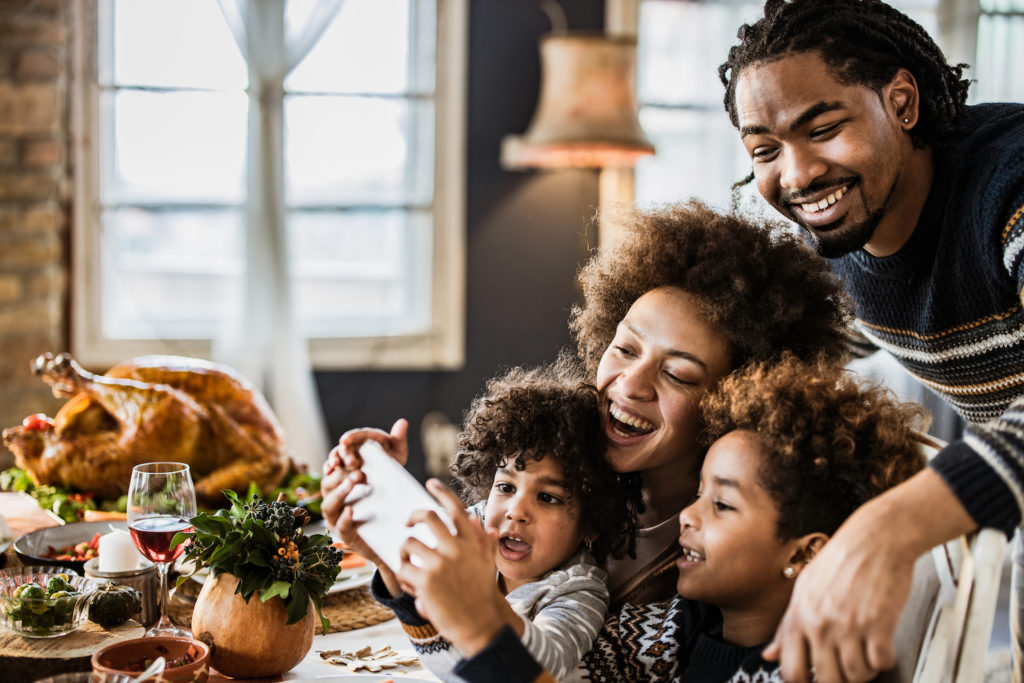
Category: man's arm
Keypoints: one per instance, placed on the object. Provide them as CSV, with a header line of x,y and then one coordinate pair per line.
x,y
847,602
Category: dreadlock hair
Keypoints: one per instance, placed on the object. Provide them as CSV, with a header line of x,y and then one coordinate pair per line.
x,y
550,412
864,42
828,442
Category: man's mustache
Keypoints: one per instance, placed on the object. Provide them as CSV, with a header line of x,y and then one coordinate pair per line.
x,y
801,196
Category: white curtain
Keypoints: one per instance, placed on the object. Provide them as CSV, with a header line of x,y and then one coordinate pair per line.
x,y
262,339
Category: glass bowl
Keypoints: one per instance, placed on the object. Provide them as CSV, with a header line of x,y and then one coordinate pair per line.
x,y
37,571
43,604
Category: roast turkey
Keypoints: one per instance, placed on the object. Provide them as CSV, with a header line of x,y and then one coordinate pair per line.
x,y
153,408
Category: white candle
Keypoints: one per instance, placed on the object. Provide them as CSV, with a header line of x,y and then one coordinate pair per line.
x,y
117,552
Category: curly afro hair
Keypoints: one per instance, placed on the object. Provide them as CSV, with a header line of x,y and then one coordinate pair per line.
x,y
550,411
762,287
829,442
864,42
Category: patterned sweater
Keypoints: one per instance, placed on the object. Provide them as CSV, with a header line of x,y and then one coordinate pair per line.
x,y
672,641
948,307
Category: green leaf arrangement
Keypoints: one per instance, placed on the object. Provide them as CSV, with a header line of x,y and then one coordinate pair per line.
x,y
262,545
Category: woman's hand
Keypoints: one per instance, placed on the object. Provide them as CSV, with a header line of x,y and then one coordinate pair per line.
x,y
455,583
342,469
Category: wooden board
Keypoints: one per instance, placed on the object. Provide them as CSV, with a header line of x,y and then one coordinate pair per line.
x,y
29,659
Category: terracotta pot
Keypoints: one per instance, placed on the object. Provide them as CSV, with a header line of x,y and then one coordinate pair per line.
x,y
130,657
249,639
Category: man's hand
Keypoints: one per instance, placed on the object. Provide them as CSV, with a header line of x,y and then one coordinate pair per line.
x,y
847,602
455,583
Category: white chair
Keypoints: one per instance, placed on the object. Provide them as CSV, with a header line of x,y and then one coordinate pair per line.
x,y
945,628
956,642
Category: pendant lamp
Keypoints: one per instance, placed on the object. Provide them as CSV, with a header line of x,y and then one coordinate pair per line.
x,y
587,112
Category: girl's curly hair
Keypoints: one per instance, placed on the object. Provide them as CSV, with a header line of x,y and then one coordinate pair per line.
x,y
829,443
759,284
549,411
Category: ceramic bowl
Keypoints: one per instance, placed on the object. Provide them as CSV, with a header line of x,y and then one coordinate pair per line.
x,y
43,613
133,656
35,546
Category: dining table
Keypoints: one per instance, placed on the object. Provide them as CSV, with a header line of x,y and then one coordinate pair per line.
x,y
23,515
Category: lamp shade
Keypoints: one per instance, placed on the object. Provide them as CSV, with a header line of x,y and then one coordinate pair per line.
x,y
587,113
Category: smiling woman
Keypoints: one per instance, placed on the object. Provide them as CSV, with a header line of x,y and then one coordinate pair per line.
x,y
688,296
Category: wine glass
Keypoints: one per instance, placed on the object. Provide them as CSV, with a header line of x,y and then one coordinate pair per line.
x,y
161,502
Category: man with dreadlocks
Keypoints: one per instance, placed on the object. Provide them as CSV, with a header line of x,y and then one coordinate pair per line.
x,y
857,130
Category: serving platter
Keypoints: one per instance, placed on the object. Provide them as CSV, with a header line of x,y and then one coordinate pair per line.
x,y
33,546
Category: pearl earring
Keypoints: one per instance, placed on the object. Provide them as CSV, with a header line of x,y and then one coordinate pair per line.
x,y
789,572
906,120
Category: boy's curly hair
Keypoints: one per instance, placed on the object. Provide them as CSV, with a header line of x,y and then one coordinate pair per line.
x,y
549,411
759,284
829,443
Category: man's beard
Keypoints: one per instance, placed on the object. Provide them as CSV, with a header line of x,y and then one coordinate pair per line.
x,y
834,241
842,241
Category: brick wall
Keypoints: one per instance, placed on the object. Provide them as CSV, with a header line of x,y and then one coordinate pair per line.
x,y
34,195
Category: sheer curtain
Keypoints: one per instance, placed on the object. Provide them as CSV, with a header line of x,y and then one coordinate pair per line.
x,y
261,339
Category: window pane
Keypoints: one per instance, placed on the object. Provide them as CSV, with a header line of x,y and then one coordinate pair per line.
x,y
358,150
181,44
366,49
1002,6
1000,55
177,146
169,274
361,272
681,46
699,154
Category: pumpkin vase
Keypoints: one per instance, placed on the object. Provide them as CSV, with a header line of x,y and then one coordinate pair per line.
x,y
249,639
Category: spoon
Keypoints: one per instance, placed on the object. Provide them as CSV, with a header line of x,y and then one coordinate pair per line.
x,y
154,669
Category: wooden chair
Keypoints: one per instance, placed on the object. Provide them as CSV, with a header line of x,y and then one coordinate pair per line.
x,y
945,629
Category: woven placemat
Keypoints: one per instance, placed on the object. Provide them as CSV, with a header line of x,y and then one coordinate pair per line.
x,y
355,608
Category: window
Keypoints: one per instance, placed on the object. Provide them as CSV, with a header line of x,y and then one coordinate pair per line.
x,y
999,52
372,166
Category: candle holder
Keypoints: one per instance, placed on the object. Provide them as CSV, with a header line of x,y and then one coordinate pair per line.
x,y
143,579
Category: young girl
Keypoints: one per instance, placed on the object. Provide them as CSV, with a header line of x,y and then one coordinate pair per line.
x,y
796,447
530,464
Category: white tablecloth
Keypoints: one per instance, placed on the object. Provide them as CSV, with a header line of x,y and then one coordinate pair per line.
x,y
377,636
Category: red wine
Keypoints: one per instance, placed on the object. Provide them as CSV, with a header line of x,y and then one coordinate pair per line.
x,y
153,535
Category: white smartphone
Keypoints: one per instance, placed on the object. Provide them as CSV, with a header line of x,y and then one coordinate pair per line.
x,y
386,502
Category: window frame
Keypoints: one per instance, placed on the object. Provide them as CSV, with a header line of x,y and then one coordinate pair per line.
x,y
441,347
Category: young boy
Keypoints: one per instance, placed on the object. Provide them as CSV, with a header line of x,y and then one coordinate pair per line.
x,y
530,462
796,448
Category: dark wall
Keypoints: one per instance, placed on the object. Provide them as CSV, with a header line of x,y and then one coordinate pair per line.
x,y
526,234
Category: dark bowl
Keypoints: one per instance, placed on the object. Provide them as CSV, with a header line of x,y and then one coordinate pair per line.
x,y
113,658
33,547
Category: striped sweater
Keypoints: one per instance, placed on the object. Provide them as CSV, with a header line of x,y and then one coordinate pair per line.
x,y
948,307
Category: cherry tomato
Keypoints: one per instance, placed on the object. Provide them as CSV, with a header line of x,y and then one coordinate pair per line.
x,y
37,423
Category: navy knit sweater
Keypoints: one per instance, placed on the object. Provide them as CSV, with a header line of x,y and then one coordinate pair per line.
x,y
948,307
